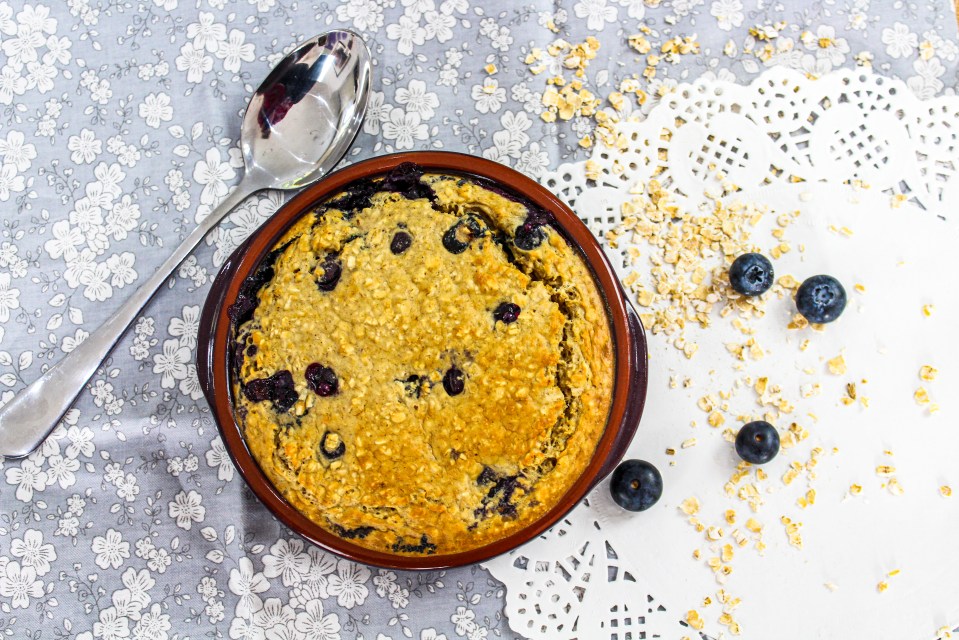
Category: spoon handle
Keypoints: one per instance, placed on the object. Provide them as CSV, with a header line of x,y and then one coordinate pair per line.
x,y
29,418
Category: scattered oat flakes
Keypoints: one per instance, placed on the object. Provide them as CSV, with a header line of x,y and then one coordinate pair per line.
x,y
855,489
885,470
792,531
689,506
927,310
945,491
837,365
895,488
807,500
688,442
897,200
864,59
928,373
832,586
921,396
882,586
694,620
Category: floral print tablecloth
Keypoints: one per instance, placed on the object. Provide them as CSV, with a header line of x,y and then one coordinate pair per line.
x,y
118,131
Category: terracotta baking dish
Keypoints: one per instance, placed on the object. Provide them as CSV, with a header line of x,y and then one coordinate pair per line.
x,y
216,335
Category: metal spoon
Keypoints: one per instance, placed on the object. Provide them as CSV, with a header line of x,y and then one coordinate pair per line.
x,y
299,124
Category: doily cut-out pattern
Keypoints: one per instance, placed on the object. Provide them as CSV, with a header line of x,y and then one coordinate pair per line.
x,y
849,127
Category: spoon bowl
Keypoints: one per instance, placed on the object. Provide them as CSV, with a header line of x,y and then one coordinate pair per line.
x,y
298,126
308,111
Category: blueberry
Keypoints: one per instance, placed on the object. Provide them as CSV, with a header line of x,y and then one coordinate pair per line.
x,y
821,299
278,388
751,274
454,381
258,390
322,380
636,485
757,442
284,395
400,243
331,274
332,446
458,237
506,312
528,236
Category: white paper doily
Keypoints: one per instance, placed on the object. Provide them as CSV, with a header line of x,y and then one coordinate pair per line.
x,y
793,144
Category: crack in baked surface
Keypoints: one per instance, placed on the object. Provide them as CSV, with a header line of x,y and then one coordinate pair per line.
x,y
461,420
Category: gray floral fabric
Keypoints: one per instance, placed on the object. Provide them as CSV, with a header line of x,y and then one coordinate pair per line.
x,y
118,132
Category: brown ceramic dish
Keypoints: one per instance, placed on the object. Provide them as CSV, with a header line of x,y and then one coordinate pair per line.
x,y
216,334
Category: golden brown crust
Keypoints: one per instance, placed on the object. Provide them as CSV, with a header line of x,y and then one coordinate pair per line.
x,y
424,471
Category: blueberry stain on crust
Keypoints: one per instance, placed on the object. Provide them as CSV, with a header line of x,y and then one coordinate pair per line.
x,y
405,180
246,300
424,546
498,499
356,533
413,385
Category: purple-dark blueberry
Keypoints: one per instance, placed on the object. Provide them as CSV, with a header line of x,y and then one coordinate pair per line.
x,y
332,446
322,380
506,312
751,274
454,381
279,388
757,442
636,485
401,242
821,299
331,274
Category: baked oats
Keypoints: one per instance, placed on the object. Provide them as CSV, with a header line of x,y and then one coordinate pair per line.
x,y
423,364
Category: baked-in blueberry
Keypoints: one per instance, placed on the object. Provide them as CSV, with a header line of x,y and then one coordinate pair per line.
x,y
821,299
530,235
506,312
259,390
332,446
322,380
751,274
636,485
285,395
454,381
527,236
279,388
331,274
401,242
458,237
757,442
